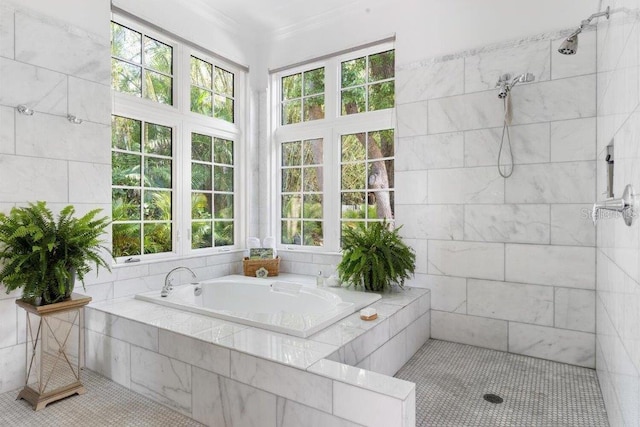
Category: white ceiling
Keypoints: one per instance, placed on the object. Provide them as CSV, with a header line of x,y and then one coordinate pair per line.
x,y
272,16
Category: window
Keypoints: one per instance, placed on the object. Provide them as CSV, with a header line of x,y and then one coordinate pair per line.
x,y
303,96
211,191
367,83
301,195
140,65
336,165
211,90
366,178
142,159
174,172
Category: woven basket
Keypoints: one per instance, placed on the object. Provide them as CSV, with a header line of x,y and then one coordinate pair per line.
x,y
252,265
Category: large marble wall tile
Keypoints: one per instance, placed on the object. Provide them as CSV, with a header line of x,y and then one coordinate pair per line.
x,y
219,401
552,183
529,144
12,367
611,36
430,221
412,119
89,183
6,31
161,378
349,401
49,44
404,317
292,414
392,356
418,333
358,349
39,89
560,345
194,352
54,137
483,70
443,150
447,293
295,384
28,178
411,187
419,246
563,99
8,321
90,101
465,112
575,309
470,185
567,266
432,80
478,331
572,225
510,301
124,329
573,140
583,62
507,223
612,406
108,356
466,259
7,130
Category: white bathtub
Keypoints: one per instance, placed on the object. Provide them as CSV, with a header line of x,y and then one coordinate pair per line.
x,y
286,307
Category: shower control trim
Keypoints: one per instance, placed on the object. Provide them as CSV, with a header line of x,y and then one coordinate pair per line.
x,y
627,206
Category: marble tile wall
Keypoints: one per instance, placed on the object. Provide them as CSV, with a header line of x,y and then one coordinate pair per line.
x,y
510,262
618,246
57,68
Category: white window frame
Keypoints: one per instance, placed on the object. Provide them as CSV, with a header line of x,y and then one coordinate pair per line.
x,y
330,129
183,122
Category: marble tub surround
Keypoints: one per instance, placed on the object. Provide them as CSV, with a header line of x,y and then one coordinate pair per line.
x,y
511,259
211,369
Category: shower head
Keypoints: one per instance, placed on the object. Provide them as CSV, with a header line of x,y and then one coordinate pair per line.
x,y
570,45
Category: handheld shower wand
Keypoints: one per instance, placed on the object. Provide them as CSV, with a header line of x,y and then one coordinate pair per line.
x,y
505,84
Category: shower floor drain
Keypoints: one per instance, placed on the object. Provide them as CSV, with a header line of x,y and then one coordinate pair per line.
x,y
492,398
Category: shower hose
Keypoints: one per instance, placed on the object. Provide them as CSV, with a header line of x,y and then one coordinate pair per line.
x,y
505,131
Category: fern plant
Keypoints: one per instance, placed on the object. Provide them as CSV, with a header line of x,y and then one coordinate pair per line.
x,y
43,256
375,257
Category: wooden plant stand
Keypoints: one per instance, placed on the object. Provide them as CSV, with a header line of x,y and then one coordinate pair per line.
x,y
53,360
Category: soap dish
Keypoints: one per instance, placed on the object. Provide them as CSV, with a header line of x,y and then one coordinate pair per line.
x,y
368,314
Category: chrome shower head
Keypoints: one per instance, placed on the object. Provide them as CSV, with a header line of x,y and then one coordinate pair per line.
x,y
570,45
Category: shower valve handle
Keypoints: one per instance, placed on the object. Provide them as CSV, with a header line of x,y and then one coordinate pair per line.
x,y
625,205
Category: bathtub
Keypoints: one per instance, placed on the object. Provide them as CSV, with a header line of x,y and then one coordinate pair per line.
x,y
279,306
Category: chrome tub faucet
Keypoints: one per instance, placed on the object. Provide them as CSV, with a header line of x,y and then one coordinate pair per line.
x,y
168,280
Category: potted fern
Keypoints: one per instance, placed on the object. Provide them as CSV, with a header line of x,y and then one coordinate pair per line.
x,y
375,258
44,255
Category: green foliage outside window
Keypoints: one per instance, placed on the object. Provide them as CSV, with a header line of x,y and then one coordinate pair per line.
x,y
212,191
367,83
142,185
303,96
212,90
137,58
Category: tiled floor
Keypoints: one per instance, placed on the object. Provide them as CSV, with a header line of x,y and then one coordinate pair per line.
x,y
451,380
105,404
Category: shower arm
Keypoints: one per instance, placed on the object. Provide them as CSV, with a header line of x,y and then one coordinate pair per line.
x,y
587,21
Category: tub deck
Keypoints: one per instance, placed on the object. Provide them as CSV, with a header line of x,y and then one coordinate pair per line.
x,y
219,372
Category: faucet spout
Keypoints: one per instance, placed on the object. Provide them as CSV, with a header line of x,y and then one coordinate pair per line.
x,y
168,280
